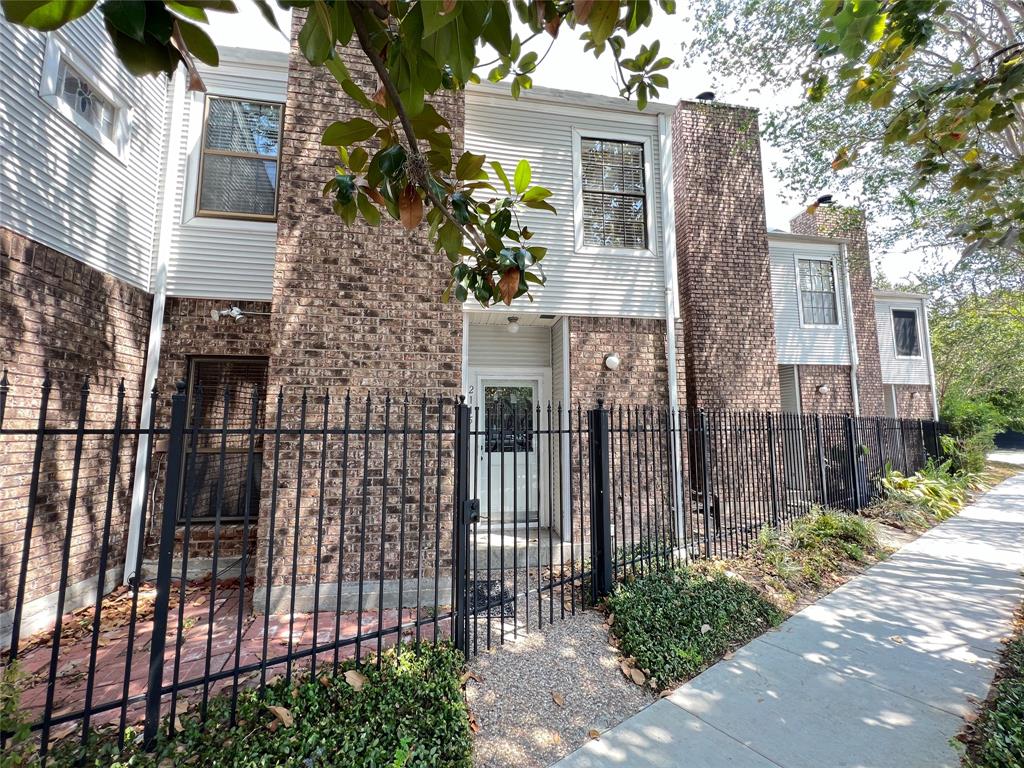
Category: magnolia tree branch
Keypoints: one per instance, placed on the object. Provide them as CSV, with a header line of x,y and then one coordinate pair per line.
x,y
363,35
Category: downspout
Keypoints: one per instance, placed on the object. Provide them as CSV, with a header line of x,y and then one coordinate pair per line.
x,y
851,333
156,323
931,367
671,303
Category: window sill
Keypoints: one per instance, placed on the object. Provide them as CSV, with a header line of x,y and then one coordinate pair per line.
x,y
601,250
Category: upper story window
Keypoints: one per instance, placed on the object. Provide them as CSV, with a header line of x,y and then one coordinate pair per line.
x,y
614,193
239,160
74,87
818,302
904,330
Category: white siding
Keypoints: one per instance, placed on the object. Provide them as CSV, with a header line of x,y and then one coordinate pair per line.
x,y
58,186
900,370
796,344
541,130
212,257
492,346
790,389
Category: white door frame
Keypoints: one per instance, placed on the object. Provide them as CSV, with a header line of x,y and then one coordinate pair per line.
x,y
475,375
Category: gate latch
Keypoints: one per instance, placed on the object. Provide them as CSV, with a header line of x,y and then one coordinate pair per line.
x,y
470,511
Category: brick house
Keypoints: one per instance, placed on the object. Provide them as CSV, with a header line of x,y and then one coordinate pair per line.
x,y
154,235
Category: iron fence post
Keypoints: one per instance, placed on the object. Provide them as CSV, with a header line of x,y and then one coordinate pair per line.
x,y
600,502
172,486
821,459
851,448
773,471
465,516
881,444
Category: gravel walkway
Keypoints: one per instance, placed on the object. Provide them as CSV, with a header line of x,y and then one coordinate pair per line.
x,y
514,702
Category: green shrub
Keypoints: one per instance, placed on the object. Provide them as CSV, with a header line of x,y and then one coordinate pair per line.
x,y
935,492
20,747
410,712
1000,729
676,622
973,424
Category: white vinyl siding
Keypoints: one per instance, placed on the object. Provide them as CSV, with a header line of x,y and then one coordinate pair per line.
x,y
60,186
790,387
212,257
798,343
492,346
587,282
900,370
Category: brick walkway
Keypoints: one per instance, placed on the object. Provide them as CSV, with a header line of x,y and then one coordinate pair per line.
x,y
112,651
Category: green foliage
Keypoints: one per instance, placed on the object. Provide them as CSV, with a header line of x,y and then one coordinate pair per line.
x,y
397,159
909,109
676,622
20,747
825,539
999,741
934,493
410,712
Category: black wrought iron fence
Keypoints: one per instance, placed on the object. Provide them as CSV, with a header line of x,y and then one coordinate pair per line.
x,y
285,535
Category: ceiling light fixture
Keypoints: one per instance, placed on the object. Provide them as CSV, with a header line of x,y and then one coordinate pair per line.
x,y
513,324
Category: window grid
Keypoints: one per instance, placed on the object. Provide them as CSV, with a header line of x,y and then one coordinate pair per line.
x,y
614,193
818,292
239,159
904,328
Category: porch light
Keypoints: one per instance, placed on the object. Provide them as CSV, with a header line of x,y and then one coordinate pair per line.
x,y
824,389
612,361
513,324
233,312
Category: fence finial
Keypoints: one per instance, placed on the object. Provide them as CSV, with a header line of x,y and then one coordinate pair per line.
x,y
179,386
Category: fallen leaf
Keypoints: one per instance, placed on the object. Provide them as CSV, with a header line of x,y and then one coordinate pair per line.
x,y
356,679
636,676
474,726
593,733
199,600
667,692
611,619
178,727
896,639
970,717
728,655
558,698
705,628
556,738
283,714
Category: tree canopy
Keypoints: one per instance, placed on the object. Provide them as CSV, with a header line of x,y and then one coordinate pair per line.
x,y
398,160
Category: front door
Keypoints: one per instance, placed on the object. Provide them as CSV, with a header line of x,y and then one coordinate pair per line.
x,y
508,480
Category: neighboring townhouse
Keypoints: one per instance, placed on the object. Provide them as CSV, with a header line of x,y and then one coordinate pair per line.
x,y
153,235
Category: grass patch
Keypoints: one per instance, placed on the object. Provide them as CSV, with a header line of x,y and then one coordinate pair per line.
x,y
409,713
674,623
996,739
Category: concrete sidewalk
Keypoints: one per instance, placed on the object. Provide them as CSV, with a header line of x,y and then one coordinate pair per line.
x,y
878,673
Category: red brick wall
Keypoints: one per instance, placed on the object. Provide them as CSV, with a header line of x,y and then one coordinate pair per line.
x,y
914,401
839,398
724,269
60,316
832,221
355,308
641,378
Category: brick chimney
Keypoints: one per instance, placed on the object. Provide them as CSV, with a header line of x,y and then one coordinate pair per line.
x,y
850,224
723,263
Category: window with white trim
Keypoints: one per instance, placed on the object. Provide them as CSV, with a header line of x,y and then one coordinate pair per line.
x,y
614,193
904,331
239,158
85,101
818,302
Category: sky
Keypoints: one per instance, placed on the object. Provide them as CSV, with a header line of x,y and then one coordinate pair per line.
x,y
566,66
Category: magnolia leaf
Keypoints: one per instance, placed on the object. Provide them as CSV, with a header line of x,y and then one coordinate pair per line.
x,y
501,175
522,176
283,714
508,286
356,679
410,206
45,15
349,132
199,43
469,166
558,698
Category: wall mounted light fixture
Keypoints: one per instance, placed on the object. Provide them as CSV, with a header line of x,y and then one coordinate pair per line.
x,y
824,389
235,313
612,361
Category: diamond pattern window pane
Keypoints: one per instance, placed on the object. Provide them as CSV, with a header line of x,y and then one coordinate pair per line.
x,y
242,185
614,195
818,292
244,126
75,91
904,323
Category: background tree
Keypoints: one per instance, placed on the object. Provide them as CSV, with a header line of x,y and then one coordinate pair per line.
x,y
399,163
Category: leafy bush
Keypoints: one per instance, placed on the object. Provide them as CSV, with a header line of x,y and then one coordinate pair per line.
x,y
973,424
932,494
676,622
999,732
409,712
19,748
